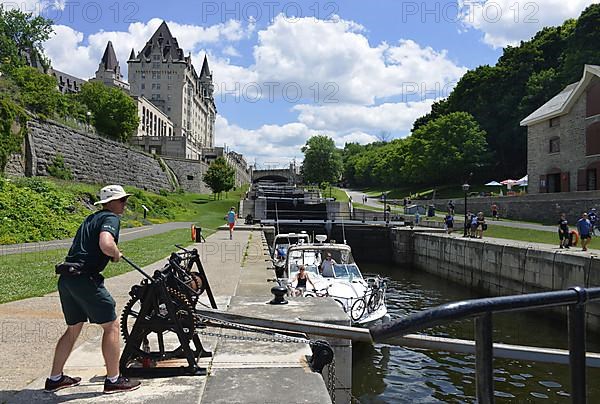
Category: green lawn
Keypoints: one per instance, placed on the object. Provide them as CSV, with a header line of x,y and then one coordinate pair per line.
x,y
534,236
338,194
442,192
32,274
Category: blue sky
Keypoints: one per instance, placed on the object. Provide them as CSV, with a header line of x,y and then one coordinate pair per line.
x,y
285,71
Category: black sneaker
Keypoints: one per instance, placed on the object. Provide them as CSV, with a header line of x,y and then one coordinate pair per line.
x,y
64,382
122,384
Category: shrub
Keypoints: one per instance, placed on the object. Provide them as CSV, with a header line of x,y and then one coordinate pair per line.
x,y
58,170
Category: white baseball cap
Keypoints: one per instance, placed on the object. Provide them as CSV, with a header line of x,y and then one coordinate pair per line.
x,y
111,193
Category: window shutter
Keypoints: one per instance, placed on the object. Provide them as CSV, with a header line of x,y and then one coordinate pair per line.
x,y
564,182
543,184
581,180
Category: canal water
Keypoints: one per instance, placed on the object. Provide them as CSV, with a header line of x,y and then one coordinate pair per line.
x,y
390,374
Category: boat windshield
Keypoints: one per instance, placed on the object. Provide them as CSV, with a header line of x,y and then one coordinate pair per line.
x,y
347,271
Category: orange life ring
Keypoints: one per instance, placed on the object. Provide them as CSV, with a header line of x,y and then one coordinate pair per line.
x,y
575,237
193,232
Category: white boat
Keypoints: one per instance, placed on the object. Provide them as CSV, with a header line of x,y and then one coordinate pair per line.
x,y
362,299
281,244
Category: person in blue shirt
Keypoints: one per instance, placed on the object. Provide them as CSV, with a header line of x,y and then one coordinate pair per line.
x,y
231,216
584,227
593,218
449,222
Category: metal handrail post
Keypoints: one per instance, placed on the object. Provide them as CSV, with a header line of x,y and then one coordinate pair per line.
x,y
577,359
484,359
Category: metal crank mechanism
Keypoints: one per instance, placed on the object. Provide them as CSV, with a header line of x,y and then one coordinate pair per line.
x,y
161,305
165,304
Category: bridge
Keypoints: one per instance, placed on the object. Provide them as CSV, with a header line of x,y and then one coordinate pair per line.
x,y
287,175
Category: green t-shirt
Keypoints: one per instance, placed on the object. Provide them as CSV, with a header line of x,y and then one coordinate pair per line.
x,y
86,244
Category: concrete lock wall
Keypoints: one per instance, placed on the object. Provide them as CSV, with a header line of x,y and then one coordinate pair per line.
x,y
499,269
189,174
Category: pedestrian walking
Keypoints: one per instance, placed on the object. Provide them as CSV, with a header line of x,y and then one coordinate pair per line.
x,y
584,227
83,296
451,208
449,223
563,231
481,225
231,217
467,224
494,209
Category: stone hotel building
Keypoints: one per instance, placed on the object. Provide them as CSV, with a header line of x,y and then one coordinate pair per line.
x,y
161,74
563,138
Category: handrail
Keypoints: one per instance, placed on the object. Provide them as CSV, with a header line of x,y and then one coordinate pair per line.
x,y
483,309
475,307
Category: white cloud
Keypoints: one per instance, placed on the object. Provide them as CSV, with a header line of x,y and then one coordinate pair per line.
x,y
70,53
396,118
231,51
312,53
506,22
268,144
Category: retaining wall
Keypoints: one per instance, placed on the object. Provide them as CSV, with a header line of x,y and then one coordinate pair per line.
x,y
91,158
544,208
498,268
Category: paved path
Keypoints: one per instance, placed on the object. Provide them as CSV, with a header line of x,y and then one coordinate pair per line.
x,y
29,328
374,202
125,235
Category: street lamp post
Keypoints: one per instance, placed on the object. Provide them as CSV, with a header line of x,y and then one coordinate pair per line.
x,y
465,188
88,115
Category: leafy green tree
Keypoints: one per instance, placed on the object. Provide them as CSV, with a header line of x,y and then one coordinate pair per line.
x,y
22,34
220,176
38,91
114,113
445,149
322,160
13,122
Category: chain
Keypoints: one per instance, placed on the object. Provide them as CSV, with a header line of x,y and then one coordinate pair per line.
x,y
331,380
274,337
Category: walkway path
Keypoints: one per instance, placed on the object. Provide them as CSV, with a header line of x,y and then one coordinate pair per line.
x,y
374,202
126,235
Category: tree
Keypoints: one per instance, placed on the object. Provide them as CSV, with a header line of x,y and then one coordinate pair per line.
x,y
22,34
445,149
322,160
114,113
220,176
38,91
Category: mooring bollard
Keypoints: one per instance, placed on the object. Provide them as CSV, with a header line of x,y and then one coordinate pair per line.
x,y
279,293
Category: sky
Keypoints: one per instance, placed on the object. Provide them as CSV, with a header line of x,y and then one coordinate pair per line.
x,y
284,71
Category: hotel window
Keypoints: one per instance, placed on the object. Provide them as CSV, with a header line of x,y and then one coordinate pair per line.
x,y
555,145
156,65
155,57
555,122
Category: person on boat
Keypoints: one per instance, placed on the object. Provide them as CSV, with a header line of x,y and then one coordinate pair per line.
x,y
301,277
280,253
327,265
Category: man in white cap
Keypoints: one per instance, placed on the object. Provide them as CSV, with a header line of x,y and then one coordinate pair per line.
x,y
83,296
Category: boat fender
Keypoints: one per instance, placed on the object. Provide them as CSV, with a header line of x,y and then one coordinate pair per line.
x,y
322,355
574,237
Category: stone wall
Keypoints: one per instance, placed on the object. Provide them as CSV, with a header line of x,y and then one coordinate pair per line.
x,y
571,158
91,158
189,173
15,166
497,268
544,208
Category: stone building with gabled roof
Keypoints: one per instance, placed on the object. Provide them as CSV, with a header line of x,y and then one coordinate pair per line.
x,y
162,73
109,71
563,138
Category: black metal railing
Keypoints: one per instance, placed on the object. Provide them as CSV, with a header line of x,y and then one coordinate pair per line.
x,y
482,310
